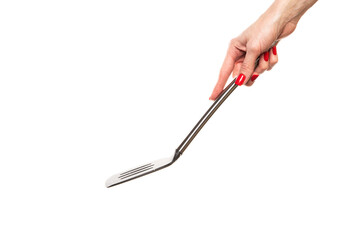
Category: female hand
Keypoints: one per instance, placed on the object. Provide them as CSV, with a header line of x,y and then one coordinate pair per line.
x,y
260,40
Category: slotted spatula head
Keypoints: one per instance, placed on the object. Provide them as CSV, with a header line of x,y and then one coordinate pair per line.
x,y
140,171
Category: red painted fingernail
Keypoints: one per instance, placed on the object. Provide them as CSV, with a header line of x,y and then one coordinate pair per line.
x,y
274,50
240,79
254,77
266,56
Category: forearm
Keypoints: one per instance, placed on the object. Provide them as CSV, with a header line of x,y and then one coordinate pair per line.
x,y
290,10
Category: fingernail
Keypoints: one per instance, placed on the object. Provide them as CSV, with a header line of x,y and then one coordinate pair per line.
x,y
240,79
266,56
274,50
254,77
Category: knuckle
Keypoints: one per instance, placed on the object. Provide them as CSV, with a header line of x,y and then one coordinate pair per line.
x,y
233,50
246,68
262,67
254,47
274,60
233,42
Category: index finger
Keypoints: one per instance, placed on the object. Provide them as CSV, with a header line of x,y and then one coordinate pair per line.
x,y
225,72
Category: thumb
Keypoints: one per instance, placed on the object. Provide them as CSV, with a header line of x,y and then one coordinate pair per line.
x,y
247,68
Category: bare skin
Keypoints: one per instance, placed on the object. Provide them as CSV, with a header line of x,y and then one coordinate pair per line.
x,y
260,40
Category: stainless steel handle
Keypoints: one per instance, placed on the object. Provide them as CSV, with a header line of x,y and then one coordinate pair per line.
x,y
219,100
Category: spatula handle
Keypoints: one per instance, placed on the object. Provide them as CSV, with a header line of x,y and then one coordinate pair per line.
x,y
217,103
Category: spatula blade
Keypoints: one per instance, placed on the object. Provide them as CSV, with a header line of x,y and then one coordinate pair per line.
x,y
139,171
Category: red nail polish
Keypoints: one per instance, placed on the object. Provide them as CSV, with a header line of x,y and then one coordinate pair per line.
x,y
266,56
240,79
254,77
274,50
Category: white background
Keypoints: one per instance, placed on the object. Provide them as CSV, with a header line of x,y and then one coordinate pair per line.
x,y
92,88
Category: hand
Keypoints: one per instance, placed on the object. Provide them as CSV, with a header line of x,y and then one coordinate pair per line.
x,y
260,40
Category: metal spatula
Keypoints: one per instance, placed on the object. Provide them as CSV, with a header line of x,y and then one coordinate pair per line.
x,y
162,163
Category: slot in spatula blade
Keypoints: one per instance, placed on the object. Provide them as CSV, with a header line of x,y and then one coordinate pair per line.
x,y
139,171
